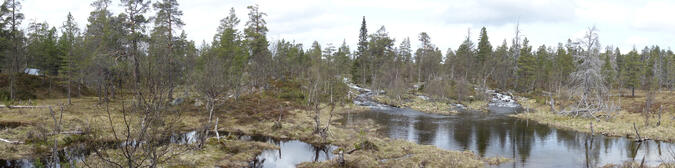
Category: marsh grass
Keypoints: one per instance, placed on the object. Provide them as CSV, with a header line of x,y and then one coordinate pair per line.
x,y
615,124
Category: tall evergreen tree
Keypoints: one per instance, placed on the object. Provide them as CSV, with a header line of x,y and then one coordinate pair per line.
x,y
360,67
633,71
68,44
135,32
484,49
608,71
526,67
167,20
543,67
229,46
12,17
342,59
256,40
464,57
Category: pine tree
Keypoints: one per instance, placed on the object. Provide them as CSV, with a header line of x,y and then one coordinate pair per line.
x,y
69,39
229,46
503,65
167,20
526,67
256,40
608,71
620,67
342,59
135,29
633,71
13,17
543,67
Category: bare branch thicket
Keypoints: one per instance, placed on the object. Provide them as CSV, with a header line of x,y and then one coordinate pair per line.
x,y
587,82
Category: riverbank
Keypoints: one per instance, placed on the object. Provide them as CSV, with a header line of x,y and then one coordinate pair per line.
x,y
619,124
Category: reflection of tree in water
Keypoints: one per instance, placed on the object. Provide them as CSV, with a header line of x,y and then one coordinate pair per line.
x,y
523,138
542,131
426,129
632,148
462,133
592,149
482,135
501,130
608,143
571,139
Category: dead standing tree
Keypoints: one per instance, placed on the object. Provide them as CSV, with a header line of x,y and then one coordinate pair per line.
x,y
587,81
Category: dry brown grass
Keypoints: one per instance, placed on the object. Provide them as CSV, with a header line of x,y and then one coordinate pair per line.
x,y
619,123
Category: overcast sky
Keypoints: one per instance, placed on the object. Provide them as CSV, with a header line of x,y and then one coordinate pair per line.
x,y
621,23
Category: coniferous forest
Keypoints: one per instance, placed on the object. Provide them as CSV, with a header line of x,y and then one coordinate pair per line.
x,y
129,89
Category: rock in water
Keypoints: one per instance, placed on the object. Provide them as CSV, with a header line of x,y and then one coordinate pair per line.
x,y
177,101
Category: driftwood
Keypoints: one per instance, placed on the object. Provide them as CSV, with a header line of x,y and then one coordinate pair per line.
x,y
76,132
11,107
10,142
636,131
639,139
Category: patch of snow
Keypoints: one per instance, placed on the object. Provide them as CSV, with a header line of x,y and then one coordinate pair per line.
x,y
423,97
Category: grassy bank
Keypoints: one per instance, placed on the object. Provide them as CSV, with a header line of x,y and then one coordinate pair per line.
x,y
619,123
435,106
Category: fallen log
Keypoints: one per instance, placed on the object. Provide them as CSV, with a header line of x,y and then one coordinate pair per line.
x,y
10,142
69,132
11,107
639,139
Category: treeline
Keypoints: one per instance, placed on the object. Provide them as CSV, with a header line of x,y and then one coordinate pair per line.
x,y
520,66
115,51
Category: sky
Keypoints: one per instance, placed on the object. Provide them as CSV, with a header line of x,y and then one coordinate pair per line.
x,y
621,23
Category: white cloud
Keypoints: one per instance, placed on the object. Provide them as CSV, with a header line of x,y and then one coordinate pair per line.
x,y
498,12
622,23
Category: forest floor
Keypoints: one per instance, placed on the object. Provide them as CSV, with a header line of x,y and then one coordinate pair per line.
x,y
619,123
254,114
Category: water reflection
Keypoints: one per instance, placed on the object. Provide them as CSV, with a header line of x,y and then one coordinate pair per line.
x,y
493,134
291,153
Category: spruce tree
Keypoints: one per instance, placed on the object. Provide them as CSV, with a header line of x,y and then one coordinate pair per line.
x,y
360,66
484,49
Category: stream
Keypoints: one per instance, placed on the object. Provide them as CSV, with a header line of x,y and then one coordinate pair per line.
x,y
494,133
